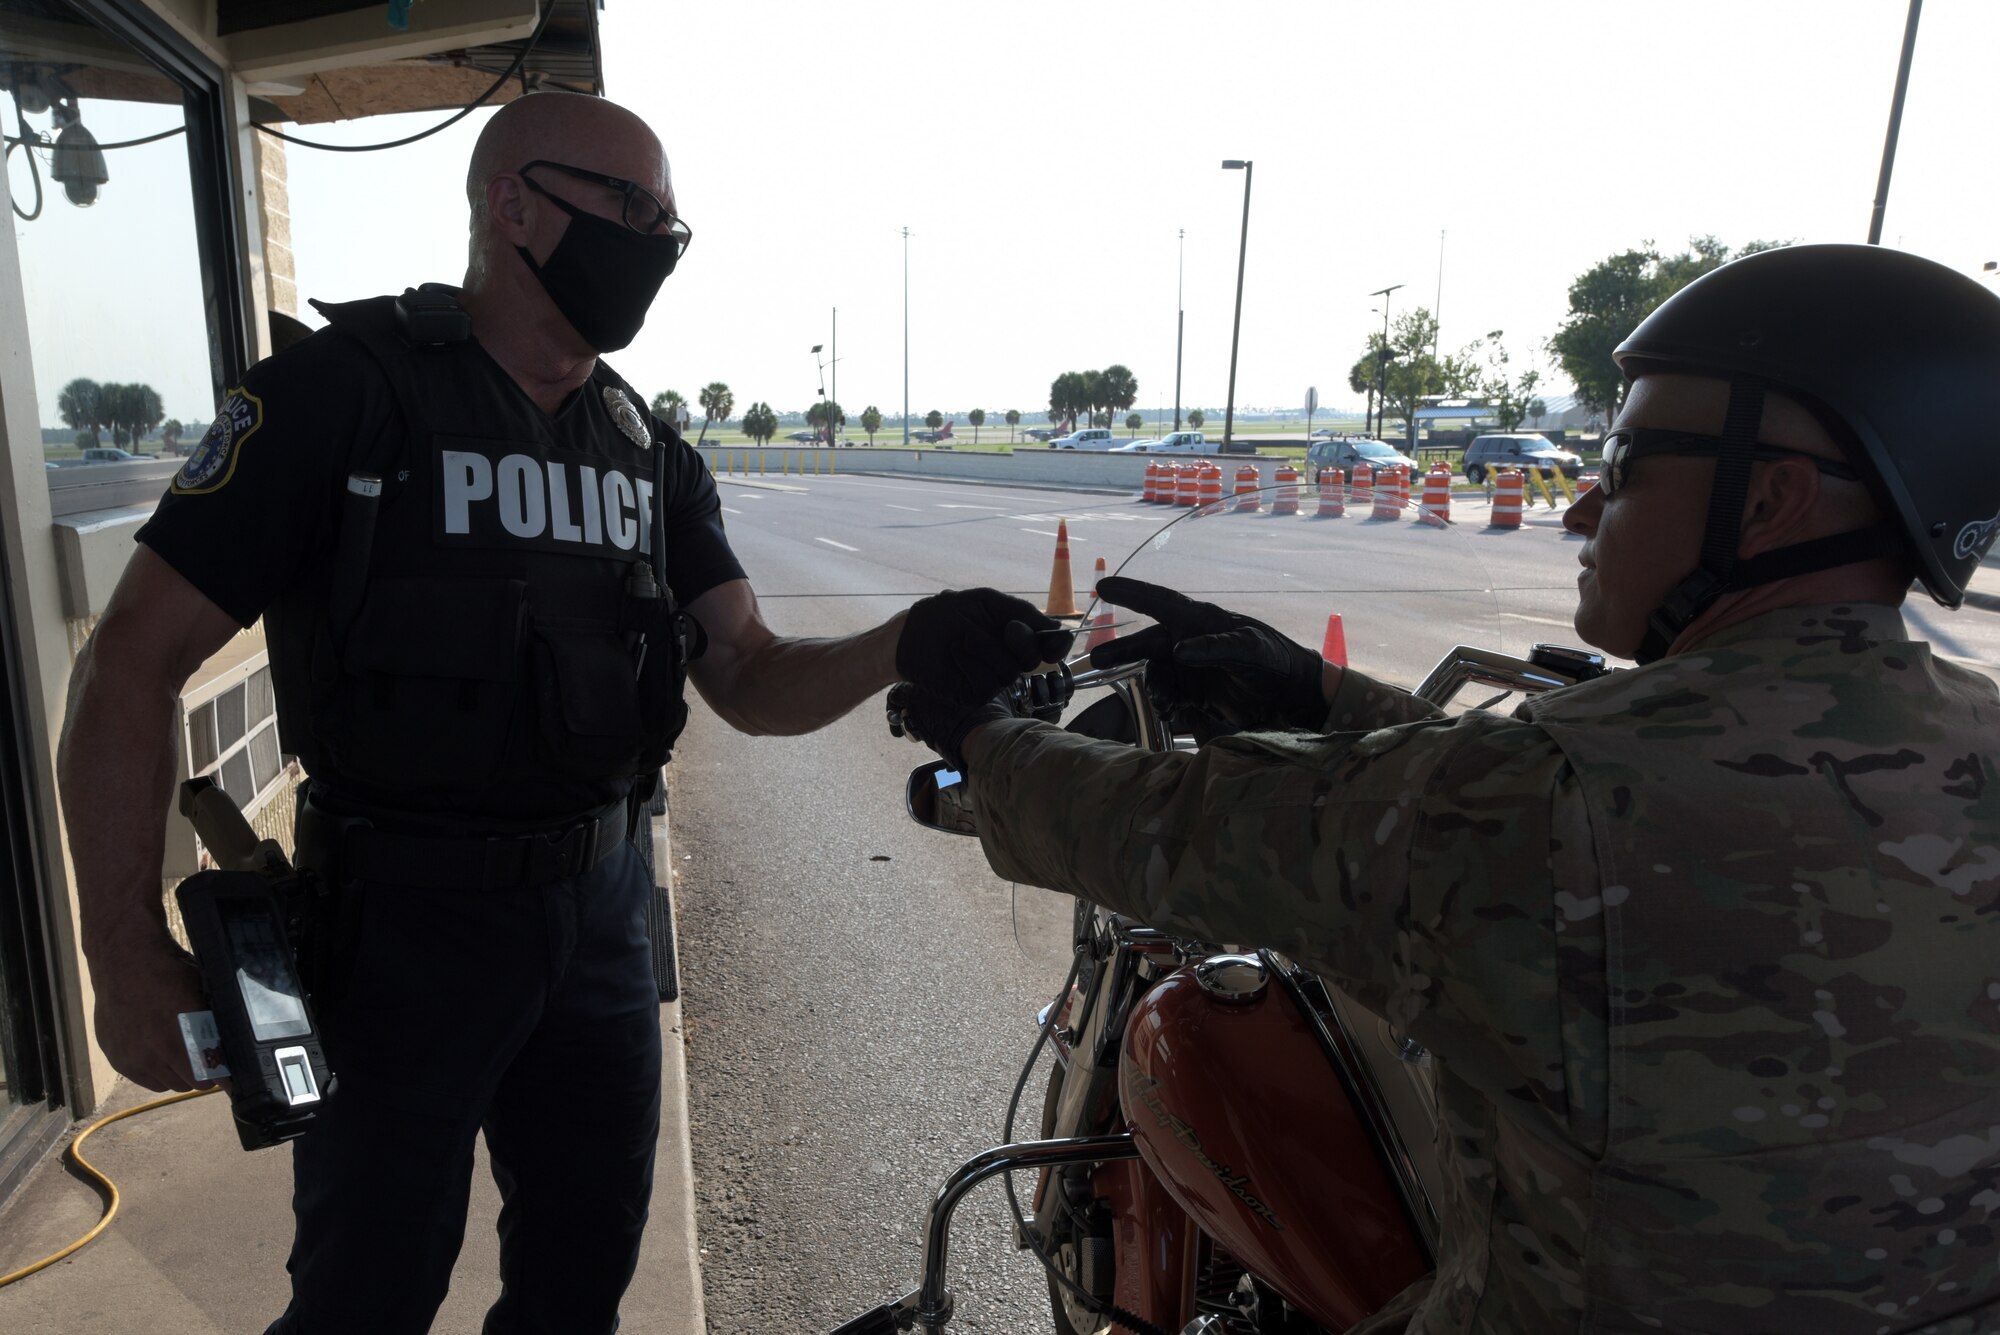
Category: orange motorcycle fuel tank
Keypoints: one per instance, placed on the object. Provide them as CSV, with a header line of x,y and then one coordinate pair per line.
x,y
1236,1103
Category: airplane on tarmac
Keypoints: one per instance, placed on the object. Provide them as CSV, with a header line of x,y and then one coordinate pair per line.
x,y
933,437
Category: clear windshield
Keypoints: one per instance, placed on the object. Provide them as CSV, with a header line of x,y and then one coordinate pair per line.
x,y
1393,593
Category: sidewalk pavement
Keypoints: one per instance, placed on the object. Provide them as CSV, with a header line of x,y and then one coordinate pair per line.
x,y
199,1244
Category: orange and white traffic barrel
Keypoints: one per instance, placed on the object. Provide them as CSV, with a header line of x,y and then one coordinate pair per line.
x,y
1389,494
1152,481
1247,480
1332,493
1364,486
1509,489
1187,482
1210,488
1436,509
1287,501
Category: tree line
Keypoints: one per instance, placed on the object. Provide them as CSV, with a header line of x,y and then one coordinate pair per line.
x,y
1095,396
128,412
1606,303
760,421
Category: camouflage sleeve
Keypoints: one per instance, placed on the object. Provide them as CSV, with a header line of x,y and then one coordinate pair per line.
x,y
1361,702
1417,864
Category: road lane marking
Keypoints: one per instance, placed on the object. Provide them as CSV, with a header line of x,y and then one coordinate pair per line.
x,y
726,510
831,543
1046,533
911,508
949,505
1539,621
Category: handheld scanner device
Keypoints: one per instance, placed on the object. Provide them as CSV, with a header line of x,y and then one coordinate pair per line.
x,y
237,922
277,1071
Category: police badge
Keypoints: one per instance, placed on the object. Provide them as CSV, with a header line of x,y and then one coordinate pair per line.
x,y
626,415
212,462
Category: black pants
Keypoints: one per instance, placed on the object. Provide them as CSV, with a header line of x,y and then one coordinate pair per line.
x,y
531,1014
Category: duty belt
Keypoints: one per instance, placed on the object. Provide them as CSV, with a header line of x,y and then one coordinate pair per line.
x,y
367,852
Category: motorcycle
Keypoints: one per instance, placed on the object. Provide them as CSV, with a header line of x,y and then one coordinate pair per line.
x,y
1227,1143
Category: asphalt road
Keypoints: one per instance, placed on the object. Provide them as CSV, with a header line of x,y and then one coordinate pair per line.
x,y
860,992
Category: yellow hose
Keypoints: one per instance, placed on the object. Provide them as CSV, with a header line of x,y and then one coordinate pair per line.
x,y
110,1187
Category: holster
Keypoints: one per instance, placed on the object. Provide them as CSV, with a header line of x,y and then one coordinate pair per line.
x,y
330,918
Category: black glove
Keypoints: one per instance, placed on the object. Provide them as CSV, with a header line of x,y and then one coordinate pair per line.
x,y
1209,660
942,722
969,643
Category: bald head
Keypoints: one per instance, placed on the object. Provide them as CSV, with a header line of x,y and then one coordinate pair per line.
x,y
569,128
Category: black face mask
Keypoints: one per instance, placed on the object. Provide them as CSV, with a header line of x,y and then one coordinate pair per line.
x,y
602,275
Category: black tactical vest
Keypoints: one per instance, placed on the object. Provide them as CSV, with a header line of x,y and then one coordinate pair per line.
x,y
506,646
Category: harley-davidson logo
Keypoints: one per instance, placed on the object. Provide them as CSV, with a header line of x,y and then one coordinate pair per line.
x,y
1237,1184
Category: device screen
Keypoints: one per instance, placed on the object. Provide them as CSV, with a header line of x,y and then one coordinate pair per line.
x,y
264,974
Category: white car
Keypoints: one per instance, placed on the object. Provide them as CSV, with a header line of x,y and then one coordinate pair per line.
x,y
1140,446
1182,442
1089,438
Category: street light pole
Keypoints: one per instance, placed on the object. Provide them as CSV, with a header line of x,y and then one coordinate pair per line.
x,y
906,338
1180,325
1382,363
830,441
1236,331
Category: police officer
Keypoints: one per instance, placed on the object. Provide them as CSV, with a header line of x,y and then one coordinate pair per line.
x,y
484,570
1707,951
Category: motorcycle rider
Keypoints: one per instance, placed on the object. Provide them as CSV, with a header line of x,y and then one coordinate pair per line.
x,y
1705,950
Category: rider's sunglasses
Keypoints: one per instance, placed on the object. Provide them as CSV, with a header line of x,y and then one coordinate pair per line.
x,y
643,212
1626,445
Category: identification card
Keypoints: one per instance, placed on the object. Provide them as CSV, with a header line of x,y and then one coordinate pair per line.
x,y
204,1045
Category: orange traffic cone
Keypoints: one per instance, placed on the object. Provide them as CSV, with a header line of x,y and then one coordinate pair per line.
x,y
1062,587
1103,620
1334,648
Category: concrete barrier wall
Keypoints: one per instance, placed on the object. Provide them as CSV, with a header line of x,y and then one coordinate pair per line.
x,y
1025,467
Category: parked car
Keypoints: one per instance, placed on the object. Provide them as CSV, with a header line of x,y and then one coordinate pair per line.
x,y
1182,442
1089,438
105,454
1346,452
1143,445
1487,454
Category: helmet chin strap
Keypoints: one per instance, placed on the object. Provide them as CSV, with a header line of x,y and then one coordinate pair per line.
x,y
1721,571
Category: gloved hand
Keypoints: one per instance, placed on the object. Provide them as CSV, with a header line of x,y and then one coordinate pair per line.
x,y
969,643
1207,659
942,722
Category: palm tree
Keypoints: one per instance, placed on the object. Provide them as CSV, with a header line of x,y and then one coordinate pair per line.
x,y
716,402
1134,422
978,419
933,419
666,407
871,422
1093,394
760,423
1013,420
1195,419
78,404
1119,388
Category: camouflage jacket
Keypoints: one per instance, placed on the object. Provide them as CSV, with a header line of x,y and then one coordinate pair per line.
x,y
1708,953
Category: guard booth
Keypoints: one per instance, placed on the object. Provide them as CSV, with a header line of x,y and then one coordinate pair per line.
x,y
149,248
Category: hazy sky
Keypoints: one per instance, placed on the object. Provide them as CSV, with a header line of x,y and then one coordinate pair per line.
x,y
1044,157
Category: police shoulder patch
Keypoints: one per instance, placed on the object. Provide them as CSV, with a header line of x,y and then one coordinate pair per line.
x,y
213,461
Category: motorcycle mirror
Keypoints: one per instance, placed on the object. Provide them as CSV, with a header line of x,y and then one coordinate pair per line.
x,y
938,797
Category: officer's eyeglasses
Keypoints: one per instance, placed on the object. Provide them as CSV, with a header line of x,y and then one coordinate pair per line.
x,y
643,212
1624,447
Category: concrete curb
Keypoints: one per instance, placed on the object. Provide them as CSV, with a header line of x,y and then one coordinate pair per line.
x,y
680,1310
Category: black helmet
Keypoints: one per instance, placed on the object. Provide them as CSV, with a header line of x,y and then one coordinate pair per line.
x,y
1902,352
